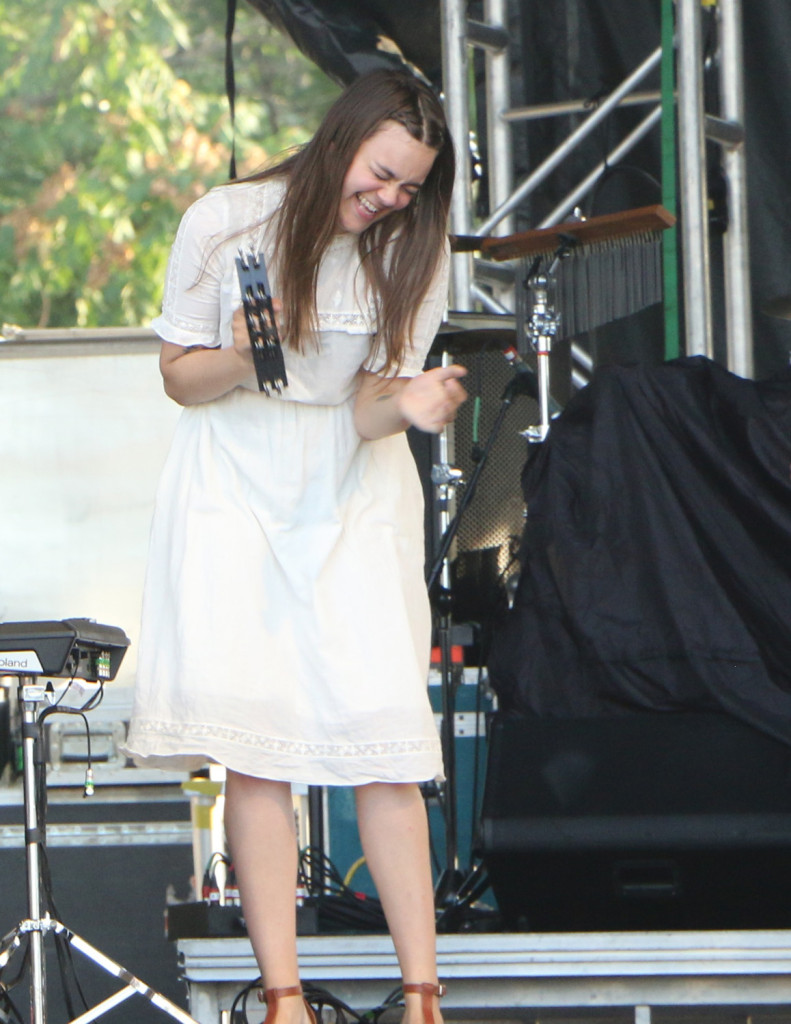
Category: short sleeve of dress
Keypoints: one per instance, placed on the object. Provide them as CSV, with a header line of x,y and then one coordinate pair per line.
x,y
427,323
190,305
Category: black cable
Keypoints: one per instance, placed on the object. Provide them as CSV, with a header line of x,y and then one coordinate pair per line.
x,y
338,905
70,982
95,699
395,998
241,998
321,998
622,169
431,791
7,986
10,1009
318,998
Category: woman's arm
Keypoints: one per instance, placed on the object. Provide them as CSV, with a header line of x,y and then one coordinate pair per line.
x,y
197,374
428,401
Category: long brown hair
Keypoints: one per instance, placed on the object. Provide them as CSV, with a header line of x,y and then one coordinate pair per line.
x,y
399,253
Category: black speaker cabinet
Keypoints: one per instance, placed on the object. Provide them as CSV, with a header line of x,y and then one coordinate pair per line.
x,y
648,821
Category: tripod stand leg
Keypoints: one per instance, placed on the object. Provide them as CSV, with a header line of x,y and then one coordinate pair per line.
x,y
133,985
105,1006
9,944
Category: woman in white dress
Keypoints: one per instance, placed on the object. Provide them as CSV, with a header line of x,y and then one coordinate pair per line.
x,y
286,628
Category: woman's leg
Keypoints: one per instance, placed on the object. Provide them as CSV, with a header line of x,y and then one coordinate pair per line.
x,y
259,824
394,834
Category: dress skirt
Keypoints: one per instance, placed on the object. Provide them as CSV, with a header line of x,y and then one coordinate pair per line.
x,y
286,627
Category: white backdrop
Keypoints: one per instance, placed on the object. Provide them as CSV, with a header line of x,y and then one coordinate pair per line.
x,y
84,430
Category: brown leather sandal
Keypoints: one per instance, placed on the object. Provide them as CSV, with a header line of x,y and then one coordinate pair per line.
x,y
427,991
271,996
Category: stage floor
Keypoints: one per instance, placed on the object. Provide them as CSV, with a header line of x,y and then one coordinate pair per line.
x,y
645,977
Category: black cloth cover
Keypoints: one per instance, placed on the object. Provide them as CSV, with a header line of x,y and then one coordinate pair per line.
x,y
346,38
656,559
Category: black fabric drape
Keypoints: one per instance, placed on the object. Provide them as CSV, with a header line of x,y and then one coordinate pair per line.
x,y
656,559
347,37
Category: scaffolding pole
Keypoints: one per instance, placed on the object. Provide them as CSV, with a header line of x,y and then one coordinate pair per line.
x,y
692,168
455,66
498,99
738,301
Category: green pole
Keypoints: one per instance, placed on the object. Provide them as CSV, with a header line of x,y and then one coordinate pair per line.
x,y
670,236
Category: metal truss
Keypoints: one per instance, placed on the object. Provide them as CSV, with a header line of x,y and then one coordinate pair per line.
x,y
695,125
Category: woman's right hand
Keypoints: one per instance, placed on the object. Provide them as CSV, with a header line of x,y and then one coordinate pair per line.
x,y
241,338
199,374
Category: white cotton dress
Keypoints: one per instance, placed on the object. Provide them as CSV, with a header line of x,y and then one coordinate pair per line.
x,y
285,625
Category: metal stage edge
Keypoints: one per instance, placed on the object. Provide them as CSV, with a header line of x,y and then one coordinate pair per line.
x,y
507,975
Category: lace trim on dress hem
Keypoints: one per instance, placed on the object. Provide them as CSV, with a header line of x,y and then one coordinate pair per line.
x,y
284,746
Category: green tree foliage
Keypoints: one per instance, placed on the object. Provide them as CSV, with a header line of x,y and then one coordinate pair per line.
x,y
114,118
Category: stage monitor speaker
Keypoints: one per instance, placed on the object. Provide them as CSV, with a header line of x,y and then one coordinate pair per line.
x,y
647,821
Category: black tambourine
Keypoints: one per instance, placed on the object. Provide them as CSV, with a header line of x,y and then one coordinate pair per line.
x,y
270,369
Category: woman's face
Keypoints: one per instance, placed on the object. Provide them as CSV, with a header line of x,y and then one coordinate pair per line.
x,y
385,175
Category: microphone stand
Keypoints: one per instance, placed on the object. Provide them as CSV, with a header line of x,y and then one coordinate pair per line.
x,y
445,478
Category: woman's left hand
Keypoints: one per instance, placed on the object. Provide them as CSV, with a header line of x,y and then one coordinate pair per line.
x,y
430,400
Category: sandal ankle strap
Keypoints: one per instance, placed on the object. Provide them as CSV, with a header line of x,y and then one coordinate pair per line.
x,y
268,994
425,987
426,990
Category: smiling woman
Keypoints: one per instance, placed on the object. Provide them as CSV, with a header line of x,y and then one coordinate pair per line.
x,y
384,176
291,522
